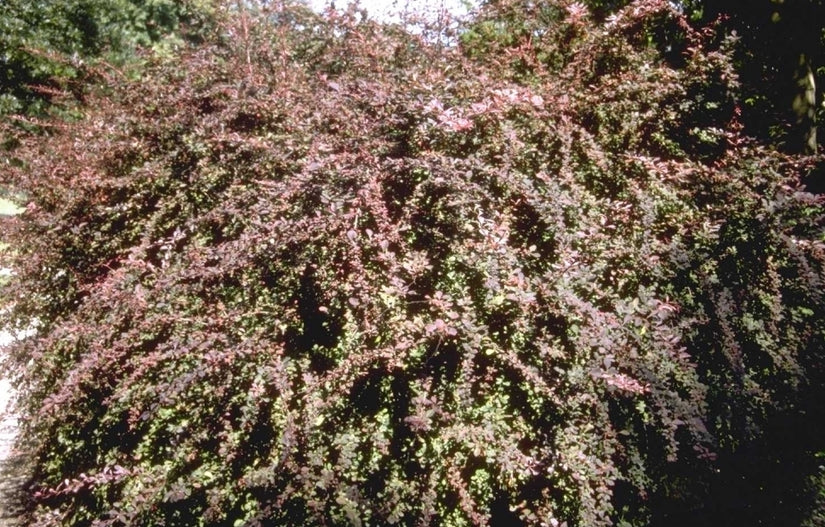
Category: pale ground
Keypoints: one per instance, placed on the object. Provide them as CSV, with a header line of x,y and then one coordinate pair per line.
x,y
13,468
12,465
8,421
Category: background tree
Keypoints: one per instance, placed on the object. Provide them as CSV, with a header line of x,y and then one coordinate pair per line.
x,y
779,61
46,47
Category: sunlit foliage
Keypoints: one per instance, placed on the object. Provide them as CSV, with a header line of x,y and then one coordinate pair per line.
x,y
324,272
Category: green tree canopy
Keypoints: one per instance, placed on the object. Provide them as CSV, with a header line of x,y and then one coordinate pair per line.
x,y
46,45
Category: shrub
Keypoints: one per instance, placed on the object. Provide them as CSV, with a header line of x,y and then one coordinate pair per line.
x,y
326,273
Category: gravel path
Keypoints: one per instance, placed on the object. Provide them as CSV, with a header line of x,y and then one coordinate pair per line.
x,y
13,467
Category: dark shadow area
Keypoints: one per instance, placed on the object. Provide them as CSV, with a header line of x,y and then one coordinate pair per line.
x,y
15,479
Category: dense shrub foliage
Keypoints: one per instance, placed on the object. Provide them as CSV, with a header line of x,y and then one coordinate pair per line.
x,y
328,273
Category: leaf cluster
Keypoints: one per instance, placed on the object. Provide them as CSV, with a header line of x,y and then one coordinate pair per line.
x,y
324,272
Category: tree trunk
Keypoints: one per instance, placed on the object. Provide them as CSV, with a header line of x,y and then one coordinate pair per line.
x,y
804,105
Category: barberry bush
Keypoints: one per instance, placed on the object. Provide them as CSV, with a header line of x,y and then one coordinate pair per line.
x,y
325,271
